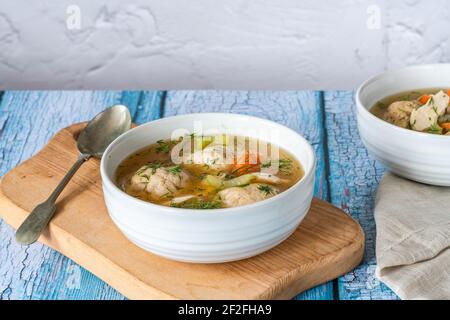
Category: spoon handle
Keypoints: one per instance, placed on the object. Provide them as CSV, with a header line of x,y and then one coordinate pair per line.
x,y
30,230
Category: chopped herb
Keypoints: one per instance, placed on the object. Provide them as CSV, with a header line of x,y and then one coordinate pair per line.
x,y
284,165
200,176
266,189
266,164
228,176
164,146
198,204
174,170
152,165
381,105
435,129
167,195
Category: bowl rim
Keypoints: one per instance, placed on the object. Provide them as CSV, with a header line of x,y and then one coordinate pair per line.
x,y
208,212
361,107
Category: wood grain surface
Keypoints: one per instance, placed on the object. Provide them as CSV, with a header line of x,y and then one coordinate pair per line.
x,y
354,179
29,118
327,244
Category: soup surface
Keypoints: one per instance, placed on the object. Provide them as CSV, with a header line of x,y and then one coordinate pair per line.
x,y
424,110
208,172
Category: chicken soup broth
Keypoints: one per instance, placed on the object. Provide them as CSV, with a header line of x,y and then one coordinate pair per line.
x,y
210,173
424,110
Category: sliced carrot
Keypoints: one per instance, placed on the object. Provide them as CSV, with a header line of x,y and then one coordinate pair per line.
x,y
448,92
445,125
246,169
251,164
424,99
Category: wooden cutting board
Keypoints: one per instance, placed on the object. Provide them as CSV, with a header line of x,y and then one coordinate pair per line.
x,y
327,244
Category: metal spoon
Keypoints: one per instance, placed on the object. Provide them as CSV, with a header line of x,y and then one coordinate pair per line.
x,y
91,142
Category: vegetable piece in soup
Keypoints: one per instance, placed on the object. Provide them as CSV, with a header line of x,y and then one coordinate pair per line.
x,y
208,172
421,110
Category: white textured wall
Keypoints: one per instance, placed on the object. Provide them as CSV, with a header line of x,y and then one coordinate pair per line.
x,y
266,44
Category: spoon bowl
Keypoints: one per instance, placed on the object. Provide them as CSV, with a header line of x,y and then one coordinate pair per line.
x,y
103,129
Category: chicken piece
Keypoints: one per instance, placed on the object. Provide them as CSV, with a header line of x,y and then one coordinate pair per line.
x,y
427,115
182,199
399,112
239,196
440,102
217,157
179,200
423,118
159,182
269,178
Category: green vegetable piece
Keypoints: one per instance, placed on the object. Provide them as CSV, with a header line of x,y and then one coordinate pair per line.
x,y
222,139
239,181
203,141
214,181
435,129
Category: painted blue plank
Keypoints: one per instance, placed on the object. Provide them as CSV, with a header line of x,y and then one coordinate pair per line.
x,y
297,110
354,178
149,106
28,119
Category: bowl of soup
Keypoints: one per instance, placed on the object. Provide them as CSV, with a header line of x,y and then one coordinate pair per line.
x,y
404,121
209,187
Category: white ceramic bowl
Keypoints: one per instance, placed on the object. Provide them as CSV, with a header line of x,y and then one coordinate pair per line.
x,y
418,156
208,236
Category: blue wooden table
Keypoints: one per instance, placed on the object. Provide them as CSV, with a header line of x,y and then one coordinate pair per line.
x,y
346,176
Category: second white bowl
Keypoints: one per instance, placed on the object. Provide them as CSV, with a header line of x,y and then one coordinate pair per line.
x,y
418,156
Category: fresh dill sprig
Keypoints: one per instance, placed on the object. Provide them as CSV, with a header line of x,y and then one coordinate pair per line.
x,y
164,146
151,165
435,129
266,164
174,170
198,204
284,165
266,189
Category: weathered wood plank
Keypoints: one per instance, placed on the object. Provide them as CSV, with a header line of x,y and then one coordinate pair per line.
x,y
27,121
297,110
149,106
353,181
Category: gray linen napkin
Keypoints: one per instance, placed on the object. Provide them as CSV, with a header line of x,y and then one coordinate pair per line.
x,y
413,238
